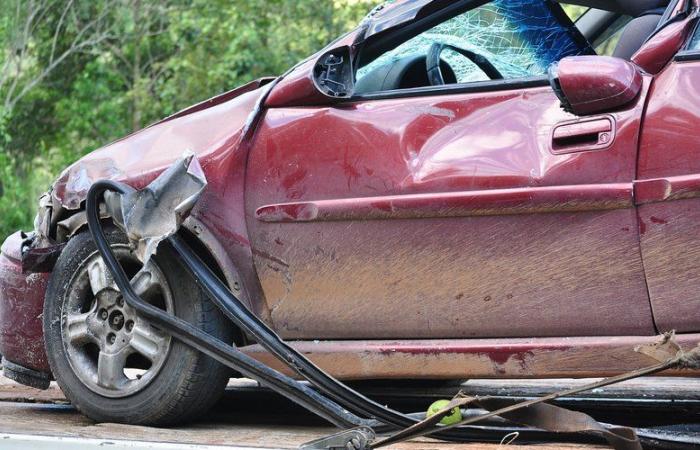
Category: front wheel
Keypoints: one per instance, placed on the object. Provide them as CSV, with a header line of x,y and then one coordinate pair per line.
x,y
111,363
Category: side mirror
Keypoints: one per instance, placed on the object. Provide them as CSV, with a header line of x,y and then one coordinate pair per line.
x,y
333,75
595,84
321,81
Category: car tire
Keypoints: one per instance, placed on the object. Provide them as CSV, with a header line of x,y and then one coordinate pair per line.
x,y
185,384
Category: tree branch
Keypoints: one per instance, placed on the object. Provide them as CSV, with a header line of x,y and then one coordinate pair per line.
x,y
89,35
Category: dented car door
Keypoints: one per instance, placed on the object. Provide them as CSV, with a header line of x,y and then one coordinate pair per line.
x,y
475,209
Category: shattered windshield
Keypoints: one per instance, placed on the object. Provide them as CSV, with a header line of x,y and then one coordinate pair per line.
x,y
521,38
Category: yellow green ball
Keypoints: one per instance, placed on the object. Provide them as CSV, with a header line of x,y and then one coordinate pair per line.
x,y
455,415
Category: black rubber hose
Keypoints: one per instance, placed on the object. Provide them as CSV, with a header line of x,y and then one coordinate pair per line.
x,y
238,313
299,393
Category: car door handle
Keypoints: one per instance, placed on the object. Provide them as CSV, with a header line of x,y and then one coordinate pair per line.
x,y
583,135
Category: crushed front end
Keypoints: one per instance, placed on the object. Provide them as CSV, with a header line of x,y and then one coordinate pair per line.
x,y
26,262
21,305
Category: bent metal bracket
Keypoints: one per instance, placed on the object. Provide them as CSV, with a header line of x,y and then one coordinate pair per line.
x,y
154,214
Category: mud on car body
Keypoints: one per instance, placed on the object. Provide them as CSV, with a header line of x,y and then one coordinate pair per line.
x,y
444,192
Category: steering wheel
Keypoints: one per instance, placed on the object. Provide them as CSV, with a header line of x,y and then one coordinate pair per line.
x,y
432,63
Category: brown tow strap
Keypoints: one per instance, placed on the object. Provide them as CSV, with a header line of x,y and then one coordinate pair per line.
x,y
538,414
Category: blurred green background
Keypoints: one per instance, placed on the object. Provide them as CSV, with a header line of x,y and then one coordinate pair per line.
x,y
78,74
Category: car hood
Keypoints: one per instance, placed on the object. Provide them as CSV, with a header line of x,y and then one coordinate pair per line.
x,y
206,129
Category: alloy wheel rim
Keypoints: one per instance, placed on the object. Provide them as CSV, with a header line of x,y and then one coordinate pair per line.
x,y
111,349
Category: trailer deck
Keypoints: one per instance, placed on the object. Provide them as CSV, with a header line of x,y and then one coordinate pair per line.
x,y
251,417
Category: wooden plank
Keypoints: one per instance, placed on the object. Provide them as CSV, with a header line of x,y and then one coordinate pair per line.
x,y
240,424
269,432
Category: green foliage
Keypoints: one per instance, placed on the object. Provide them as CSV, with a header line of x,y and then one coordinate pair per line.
x,y
574,11
137,61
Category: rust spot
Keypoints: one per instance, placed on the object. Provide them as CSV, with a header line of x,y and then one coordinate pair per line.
x,y
487,298
224,232
293,212
502,359
269,257
350,170
292,182
383,206
658,221
459,296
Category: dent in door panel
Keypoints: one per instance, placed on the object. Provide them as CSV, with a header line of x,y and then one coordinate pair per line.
x,y
457,276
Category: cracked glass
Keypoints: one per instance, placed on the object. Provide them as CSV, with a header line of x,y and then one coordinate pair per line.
x,y
521,38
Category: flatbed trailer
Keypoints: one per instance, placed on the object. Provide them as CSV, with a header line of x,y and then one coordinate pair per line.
x,y
251,417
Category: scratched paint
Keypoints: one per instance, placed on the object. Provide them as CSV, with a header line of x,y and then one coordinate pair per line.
x,y
457,277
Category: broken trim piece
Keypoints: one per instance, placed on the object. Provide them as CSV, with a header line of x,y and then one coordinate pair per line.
x,y
666,189
25,375
151,215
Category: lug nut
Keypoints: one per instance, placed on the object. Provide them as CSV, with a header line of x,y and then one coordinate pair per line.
x,y
103,314
120,301
129,325
111,338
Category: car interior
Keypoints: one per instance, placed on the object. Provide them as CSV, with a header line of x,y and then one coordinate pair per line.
x,y
628,23
616,28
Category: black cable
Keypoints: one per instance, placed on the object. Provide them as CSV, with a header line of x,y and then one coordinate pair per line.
x,y
300,393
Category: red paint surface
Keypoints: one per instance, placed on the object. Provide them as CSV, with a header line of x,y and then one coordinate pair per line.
x,y
656,53
298,88
221,98
668,191
594,84
669,144
21,305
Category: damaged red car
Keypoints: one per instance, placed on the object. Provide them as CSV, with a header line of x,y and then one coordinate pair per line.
x,y
454,189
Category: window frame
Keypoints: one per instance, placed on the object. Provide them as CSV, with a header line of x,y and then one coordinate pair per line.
x,y
687,54
457,88
384,42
